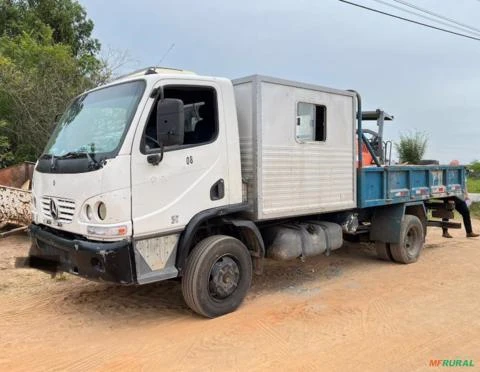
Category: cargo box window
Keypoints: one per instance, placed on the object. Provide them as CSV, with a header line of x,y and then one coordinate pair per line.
x,y
201,117
311,122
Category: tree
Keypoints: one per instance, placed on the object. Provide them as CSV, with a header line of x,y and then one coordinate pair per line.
x,y
36,83
412,147
475,168
66,19
47,57
6,155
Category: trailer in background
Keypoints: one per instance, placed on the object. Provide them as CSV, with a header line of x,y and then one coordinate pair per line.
x,y
15,197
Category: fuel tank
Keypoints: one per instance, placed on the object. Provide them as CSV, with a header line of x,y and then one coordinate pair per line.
x,y
305,239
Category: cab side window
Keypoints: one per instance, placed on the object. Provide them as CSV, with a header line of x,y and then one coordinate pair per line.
x,y
201,116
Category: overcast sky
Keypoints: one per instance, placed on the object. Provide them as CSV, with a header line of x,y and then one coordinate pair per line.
x,y
428,79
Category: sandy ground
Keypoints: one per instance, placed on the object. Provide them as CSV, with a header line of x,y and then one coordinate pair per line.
x,y
345,312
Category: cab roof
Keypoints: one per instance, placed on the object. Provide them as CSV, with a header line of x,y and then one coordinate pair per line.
x,y
154,70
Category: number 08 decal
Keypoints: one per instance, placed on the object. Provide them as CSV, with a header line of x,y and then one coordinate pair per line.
x,y
189,160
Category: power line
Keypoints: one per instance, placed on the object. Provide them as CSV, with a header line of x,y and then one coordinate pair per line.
x,y
465,29
437,15
410,20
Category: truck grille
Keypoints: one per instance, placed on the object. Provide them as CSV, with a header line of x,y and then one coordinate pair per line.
x,y
65,207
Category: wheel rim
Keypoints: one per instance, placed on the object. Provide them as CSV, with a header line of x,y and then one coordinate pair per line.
x,y
224,277
412,241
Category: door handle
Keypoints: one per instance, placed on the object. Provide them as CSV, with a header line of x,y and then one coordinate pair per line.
x,y
217,191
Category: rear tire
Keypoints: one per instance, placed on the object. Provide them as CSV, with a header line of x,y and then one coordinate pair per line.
x,y
412,240
217,276
383,251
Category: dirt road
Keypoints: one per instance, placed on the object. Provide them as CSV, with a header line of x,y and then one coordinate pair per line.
x,y
345,312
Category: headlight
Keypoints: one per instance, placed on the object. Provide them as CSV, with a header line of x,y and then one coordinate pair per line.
x,y
89,211
107,231
102,211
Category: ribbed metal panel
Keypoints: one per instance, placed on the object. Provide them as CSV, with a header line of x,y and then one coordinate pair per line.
x,y
308,180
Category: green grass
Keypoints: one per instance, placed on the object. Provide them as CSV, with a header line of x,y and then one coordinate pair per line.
x,y
473,185
475,210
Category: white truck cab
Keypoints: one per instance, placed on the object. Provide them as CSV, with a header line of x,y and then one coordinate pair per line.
x,y
106,176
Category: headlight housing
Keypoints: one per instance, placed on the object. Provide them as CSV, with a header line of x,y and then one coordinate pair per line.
x,y
102,211
88,212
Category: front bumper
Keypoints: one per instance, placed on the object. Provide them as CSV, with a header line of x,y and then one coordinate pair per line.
x,y
101,261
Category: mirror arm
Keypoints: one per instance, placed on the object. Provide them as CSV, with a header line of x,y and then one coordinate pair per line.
x,y
157,93
156,159
161,151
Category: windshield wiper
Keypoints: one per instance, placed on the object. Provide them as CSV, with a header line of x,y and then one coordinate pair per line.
x,y
53,160
80,154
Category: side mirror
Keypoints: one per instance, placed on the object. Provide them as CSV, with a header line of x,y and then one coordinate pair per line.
x,y
170,122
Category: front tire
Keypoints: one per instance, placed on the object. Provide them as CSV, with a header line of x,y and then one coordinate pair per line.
x,y
217,276
412,240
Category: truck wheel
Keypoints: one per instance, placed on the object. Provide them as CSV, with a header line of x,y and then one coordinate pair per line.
x,y
412,240
217,276
383,251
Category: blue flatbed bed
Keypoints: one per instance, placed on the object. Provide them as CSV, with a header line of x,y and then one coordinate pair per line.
x,y
386,185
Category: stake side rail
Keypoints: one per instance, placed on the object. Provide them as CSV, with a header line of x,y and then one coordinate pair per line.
x,y
387,185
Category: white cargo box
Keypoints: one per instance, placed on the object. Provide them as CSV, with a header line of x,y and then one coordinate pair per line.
x,y
297,147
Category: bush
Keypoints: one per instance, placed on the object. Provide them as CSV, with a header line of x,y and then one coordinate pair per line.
x,y
475,210
473,185
412,147
474,168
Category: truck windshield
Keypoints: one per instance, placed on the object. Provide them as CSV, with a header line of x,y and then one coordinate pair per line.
x,y
96,122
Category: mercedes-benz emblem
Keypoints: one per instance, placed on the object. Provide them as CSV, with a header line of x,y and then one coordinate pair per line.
x,y
53,209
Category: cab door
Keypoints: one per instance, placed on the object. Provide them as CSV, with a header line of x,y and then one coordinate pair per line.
x,y
191,177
